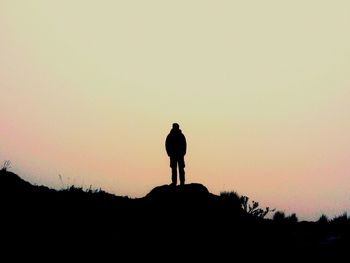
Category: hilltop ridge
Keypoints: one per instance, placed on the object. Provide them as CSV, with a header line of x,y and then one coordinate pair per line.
x,y
187,217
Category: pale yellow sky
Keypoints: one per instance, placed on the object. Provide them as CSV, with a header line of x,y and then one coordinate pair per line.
x,y
260,89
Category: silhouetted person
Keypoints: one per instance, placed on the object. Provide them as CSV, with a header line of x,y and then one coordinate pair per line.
x,y
176,145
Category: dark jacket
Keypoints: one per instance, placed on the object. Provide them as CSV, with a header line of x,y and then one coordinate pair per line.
x,y
175,143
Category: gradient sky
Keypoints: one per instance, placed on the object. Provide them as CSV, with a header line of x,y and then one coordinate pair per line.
x,y
261,89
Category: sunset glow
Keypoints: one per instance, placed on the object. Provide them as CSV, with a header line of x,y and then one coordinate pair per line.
x,y
261,89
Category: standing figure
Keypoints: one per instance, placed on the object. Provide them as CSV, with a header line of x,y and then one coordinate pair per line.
x,y
176,145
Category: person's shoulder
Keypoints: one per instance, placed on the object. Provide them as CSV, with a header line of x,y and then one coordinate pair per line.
x,y
170,134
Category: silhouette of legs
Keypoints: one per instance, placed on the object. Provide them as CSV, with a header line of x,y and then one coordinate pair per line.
x,y
174,163
181,163
182,175
173,176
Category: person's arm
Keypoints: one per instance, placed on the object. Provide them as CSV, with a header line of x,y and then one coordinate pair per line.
x,y
167,148
185,144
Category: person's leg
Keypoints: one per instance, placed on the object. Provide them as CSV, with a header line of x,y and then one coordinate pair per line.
x,y
181,162
182,176
173,175
173,165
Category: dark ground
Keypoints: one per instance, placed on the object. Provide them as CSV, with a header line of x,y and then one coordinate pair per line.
x,y
184,223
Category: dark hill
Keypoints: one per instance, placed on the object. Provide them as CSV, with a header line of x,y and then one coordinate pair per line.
x,y
168,220
12,182
193,190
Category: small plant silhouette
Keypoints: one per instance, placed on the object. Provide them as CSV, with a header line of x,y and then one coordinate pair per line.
x,y
292,218
341,219
243,201
323,219
6,165
253,207
279,216
231,197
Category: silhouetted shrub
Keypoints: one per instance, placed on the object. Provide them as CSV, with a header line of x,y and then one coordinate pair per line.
x,y
292,218
230,196
243,201
323,219
6,165
341,219
279,216
231,200
75,189
253,207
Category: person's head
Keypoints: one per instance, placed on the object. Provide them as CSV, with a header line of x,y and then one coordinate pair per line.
x,y
176,126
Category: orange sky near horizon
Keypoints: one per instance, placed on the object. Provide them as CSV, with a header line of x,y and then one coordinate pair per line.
x,y
261,90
